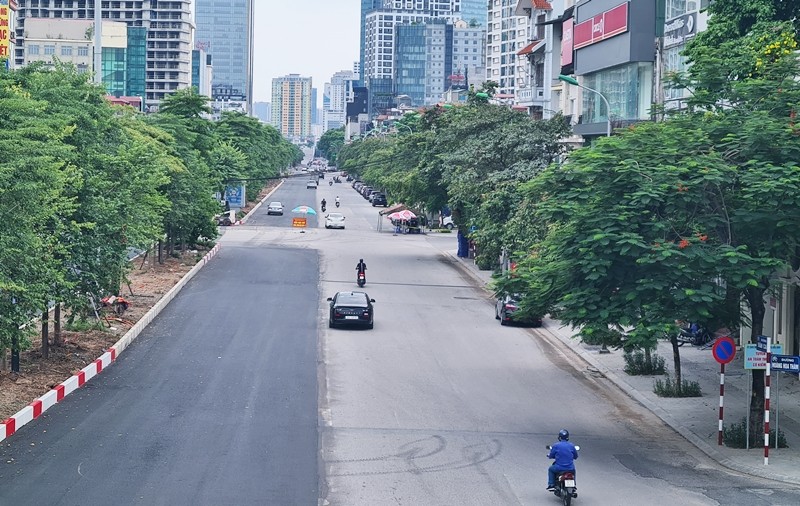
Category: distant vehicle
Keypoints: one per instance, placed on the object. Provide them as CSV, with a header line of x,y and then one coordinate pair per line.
x,y
351,308
506,306
447,222
334,220
311,184
275,208
379,200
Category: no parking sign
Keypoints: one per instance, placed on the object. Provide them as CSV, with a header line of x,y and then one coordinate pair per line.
x,y
724,350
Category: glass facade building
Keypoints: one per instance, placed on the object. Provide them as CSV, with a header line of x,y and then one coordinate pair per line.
x,y
225,31
114,70
475,12
136,64
410,60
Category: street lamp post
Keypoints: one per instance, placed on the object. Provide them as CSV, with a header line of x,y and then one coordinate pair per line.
x,y
574,82
397,124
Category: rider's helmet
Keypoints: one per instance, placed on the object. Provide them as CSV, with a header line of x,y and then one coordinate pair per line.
x,y
563,435
361,260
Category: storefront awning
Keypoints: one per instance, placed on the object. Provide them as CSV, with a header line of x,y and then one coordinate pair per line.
x,y
531,48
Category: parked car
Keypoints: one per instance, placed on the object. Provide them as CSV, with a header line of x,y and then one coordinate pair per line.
x,y
379,199
275,208
506,306
311,184
351,308
334,220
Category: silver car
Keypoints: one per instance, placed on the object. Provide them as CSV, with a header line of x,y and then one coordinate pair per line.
x,y
334,220
275,208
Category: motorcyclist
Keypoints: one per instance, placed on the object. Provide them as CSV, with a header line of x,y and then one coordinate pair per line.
x,y
564,453
337,200
361,267
323,204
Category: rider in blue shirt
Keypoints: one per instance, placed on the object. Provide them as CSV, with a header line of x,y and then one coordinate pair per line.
x,y
564,454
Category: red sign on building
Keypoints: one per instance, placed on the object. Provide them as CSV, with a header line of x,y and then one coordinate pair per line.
x,y
567,30
601,27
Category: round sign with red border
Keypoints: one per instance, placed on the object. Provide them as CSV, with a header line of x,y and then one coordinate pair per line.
x,y
724,349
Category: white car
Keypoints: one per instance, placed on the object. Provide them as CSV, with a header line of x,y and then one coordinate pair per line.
x,y
311,184
334,220
275,208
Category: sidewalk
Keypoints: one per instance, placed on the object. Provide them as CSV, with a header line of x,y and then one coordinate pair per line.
x,y
695,418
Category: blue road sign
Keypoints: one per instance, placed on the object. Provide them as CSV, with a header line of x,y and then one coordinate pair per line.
x,y
761,345
786,363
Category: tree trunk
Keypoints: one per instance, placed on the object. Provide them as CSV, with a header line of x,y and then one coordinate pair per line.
x,y
57,338
755,299
676,360
160,252
46,332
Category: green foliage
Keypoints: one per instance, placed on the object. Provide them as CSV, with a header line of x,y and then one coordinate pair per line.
x,y
735,436
330,144
668,387
82,182
639,363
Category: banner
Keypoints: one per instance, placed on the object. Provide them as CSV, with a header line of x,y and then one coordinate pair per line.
x,y
5,30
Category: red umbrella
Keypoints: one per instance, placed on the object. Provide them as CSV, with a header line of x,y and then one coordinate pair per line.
x,y
404,215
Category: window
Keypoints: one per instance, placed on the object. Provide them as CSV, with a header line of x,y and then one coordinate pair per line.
x,y
66,50
33,49
48,50
83,51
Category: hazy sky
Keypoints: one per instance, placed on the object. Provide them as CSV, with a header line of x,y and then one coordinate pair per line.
x,y
308,37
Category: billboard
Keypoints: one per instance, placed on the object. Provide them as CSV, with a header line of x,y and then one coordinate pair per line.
x,y
602,26
5,30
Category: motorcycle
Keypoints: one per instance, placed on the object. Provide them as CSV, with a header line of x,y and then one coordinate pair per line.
x,y
330,183
361,280
337,203
697,337
565,488
323,208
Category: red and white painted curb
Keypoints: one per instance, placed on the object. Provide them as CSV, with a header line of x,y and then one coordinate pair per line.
x,y
54,396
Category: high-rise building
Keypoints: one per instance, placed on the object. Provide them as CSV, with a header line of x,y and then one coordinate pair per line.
x,y
263,111
225,31
507,33
314,119
474,12
337,93
169,32
434,57
202,73
291,106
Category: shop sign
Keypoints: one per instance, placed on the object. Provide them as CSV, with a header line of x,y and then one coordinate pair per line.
x,y
566,42
678,31
602,26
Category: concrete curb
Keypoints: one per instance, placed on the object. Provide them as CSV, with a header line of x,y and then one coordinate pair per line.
x,y
634,394
76,381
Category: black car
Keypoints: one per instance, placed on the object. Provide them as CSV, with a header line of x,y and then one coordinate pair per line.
x,y
379,200
506,306
351,308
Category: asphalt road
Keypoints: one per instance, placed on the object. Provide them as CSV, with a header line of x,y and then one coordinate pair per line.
x,y
215,403
240,394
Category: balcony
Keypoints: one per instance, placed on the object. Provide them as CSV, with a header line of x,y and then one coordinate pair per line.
x,y
530,96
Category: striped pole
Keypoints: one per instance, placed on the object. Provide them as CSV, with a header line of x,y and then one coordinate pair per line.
x,y
766,402
721,396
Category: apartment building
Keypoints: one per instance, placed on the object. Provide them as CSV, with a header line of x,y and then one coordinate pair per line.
x,y
291,106
167,24
337,93
506,34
